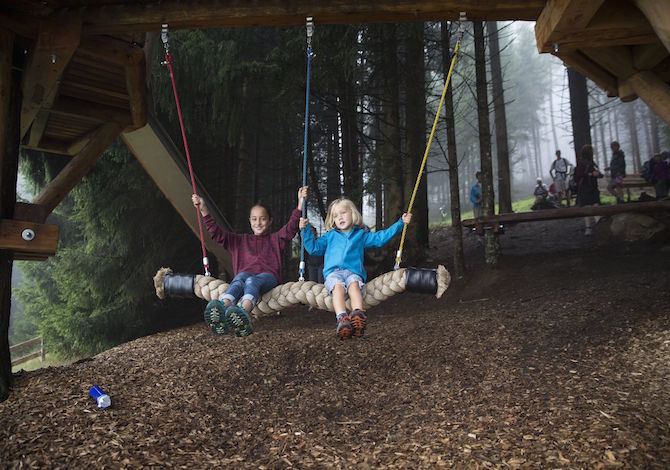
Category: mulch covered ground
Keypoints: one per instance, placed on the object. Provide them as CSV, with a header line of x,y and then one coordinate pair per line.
x,y
555,359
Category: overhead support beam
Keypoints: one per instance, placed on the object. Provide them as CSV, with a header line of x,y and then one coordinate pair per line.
x,y
648,56
653,91
54,47
150,15
559,17
658,14
617,60
111,50
590,69
619,23
78,167
21,25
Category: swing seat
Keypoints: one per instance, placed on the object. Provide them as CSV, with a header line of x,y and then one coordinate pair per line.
x,y
421,280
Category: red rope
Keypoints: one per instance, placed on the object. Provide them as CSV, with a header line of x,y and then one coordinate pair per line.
x,y
168,62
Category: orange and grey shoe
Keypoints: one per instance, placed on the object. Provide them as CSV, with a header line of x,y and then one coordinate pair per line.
x,y
358,319
344,329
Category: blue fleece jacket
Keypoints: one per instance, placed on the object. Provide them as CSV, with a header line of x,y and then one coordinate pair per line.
x,y
345,250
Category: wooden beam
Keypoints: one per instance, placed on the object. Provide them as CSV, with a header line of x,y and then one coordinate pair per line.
x,y
22,25
40,123
67,106
617,60
78,167
590,69
10,96
110,50
567,213
30,212
658,14
561,16
179,14
653,91
648,56
137,96
56,42
617,24
42,241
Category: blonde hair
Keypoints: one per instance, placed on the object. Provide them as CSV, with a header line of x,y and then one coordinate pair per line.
x,y
356,218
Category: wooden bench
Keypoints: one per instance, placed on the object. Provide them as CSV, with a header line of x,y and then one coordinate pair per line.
x,y
566,213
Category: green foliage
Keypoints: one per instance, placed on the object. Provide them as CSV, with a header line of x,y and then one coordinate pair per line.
x,y
96,291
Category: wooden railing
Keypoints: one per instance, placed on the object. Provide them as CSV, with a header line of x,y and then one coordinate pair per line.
x,y
26,345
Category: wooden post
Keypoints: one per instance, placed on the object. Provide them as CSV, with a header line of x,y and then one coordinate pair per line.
x,y
10,99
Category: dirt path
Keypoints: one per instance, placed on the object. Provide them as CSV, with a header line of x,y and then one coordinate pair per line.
x,y
553,359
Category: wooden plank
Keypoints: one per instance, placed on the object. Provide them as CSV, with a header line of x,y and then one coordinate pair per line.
x,y
653,91
570,212
110,50
658,14
100,113
590,69
617,60
26,344
180,14
56,42
561,16
23,25
78,167
137,96
26,358
44,241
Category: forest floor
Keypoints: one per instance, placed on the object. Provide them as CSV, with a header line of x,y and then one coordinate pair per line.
x,y
557,358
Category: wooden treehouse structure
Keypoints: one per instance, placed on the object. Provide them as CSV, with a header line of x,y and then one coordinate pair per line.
x,y
72,81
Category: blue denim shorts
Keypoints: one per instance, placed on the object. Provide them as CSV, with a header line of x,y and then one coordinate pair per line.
x,y
345,278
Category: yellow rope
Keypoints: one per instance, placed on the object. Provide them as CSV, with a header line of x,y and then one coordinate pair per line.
x,y
425,155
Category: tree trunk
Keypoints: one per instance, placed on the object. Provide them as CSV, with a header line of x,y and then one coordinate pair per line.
x,y
579,110
605,146
637,164
551,113
394,203
458,255
504,186
333,185
653,125
350,147
537,149
416,135
10,116
491,245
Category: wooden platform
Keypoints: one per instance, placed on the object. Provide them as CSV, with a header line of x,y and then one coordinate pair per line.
x,y
567,213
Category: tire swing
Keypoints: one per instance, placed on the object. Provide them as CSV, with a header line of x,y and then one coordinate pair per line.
x,y
301,292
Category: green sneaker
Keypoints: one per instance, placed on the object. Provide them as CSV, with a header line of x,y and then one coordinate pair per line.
x,y
215,317
239,321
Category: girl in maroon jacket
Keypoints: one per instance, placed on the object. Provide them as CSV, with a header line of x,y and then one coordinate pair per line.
x,y
256,264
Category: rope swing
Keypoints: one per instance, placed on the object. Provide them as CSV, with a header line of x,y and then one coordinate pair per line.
x,y
426,281
168,62
457,47
310,31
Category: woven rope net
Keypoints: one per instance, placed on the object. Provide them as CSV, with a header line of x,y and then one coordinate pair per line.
x,y
305,292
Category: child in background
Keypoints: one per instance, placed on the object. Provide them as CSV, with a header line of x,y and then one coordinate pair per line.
x,y
256,264
343,246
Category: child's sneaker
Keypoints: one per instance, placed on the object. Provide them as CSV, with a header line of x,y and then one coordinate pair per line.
x,y
215,317
358,319
239,321
343,327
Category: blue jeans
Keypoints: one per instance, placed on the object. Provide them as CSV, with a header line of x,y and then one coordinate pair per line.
x,y
251,285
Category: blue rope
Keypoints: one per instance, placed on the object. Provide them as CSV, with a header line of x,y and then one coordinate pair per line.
x,y
304,163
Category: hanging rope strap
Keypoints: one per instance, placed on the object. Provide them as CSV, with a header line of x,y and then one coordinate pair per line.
x,y
310,54
462,19
168,63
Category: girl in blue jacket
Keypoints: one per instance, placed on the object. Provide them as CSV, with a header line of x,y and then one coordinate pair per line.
x,y
342,246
